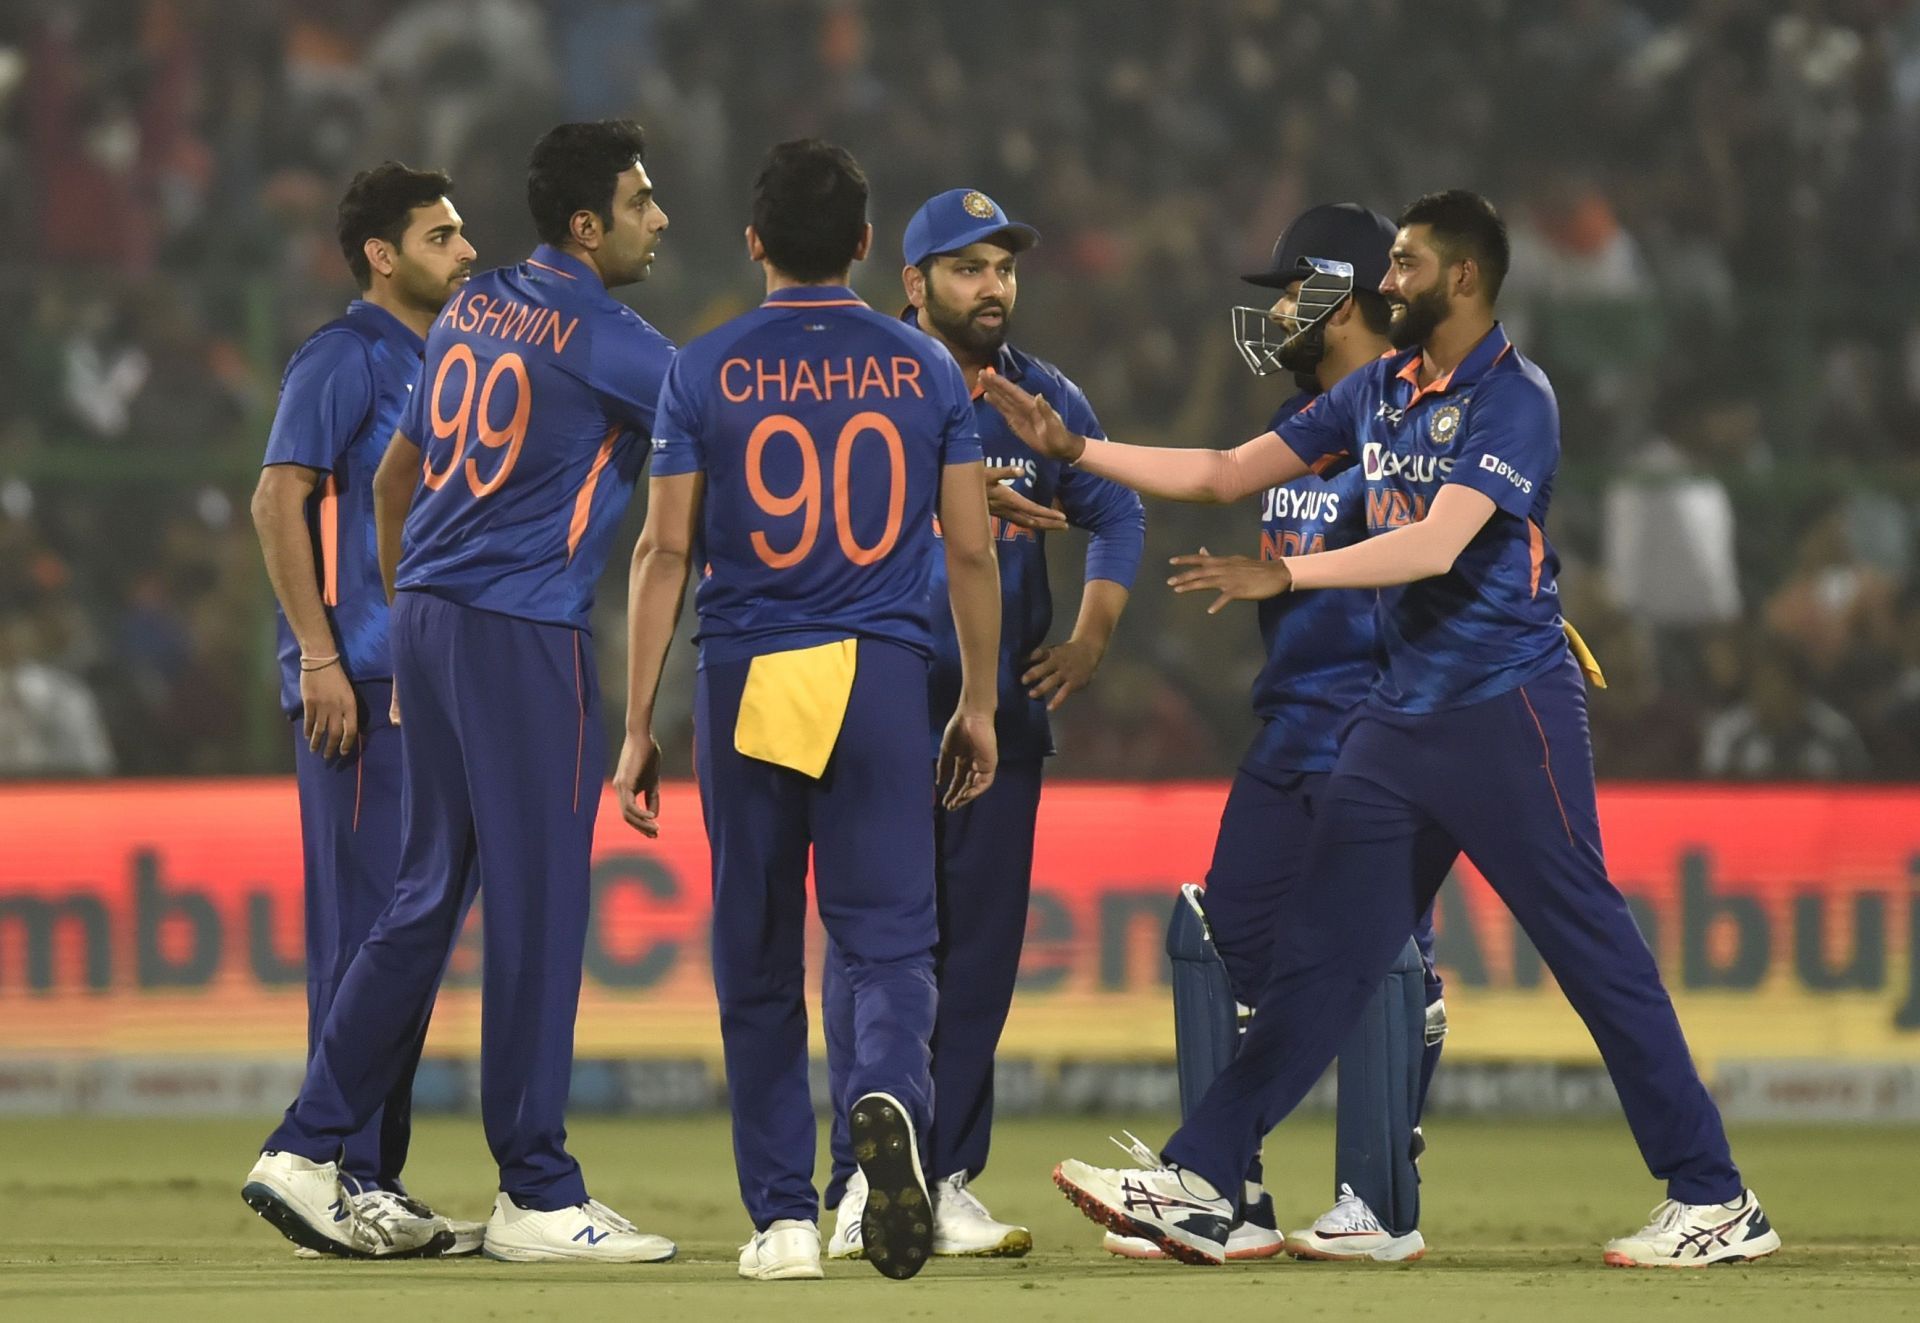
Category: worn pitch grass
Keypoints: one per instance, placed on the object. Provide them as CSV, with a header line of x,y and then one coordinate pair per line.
x,y
143,1220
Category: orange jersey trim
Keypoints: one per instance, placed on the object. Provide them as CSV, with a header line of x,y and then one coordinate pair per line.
x,y
564,275
814,303
583,503
330,541
1537,555
1411,375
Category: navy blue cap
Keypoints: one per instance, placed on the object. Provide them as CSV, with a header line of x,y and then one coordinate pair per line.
x,y
1340,232
949,221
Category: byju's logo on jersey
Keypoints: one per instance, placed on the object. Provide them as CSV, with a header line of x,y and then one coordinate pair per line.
x,y
1378,464
1494,464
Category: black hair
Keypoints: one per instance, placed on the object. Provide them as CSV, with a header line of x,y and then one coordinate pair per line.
x,y
1375,315
810,208
1465,227
376,206
573,169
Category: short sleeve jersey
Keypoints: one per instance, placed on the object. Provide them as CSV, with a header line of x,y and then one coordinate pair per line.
x,y
1319,646
340,399
1112,516
822,428
1492,622
532,413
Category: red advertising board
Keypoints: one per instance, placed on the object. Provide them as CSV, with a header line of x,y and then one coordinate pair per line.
x,y
164,917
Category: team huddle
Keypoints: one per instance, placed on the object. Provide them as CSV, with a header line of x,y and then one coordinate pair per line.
x,y
863,501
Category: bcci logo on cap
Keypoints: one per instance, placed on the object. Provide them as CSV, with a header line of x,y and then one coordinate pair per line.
x,y
978,204
1444,424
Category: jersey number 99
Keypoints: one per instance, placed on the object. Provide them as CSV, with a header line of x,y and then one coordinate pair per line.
x,y
806,498
474,419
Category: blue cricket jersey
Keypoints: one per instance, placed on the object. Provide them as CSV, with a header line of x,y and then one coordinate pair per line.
x,y
1111,514
823,428
1491,623
532,413
340,399
1320,646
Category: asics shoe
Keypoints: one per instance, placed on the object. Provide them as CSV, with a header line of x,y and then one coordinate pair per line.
x,y
1175,1209
1681,1235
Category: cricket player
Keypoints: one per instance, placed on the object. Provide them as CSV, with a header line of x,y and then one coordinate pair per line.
x,y
806,448
1473,739
1329,321
340,399
523,439
961,251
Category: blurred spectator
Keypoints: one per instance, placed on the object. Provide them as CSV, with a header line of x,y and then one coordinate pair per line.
x,y
50,725
1780,731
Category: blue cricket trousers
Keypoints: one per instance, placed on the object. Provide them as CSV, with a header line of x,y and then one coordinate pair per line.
x,y
501,732
984,868
868,820
1509,782
350,852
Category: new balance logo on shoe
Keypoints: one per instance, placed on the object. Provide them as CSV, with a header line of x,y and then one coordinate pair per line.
x,y
591,1236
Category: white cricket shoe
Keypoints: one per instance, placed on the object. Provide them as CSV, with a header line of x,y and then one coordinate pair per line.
x,y
846,1242
1245,1242
1351,1231
896,1226
308,1204
1177,1210
468,1237
963,1228
787,1251
587,1232
1697,1235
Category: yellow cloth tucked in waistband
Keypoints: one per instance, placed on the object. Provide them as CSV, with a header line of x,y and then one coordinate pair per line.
x,y
793,705
1589,664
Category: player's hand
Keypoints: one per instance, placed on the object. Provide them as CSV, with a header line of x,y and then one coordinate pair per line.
x,y
393,706
1031,418
1063,669
1006,503
1235,578
329,711
969,753
637,778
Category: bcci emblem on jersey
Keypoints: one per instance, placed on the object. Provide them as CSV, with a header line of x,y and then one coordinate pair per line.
x,y
1443,424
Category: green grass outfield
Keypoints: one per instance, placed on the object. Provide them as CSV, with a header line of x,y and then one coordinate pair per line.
x,y
143,1220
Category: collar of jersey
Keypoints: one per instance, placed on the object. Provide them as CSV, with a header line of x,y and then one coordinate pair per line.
x,y
390,326
1009,362
814,296
1492,348
566,265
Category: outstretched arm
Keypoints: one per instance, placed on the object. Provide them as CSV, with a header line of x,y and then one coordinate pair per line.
x,y
1418,551
1206,476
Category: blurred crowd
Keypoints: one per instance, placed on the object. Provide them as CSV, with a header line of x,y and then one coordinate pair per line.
x,y
1715,207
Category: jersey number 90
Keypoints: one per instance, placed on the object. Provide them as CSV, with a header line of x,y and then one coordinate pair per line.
x,y
473,418
806,498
